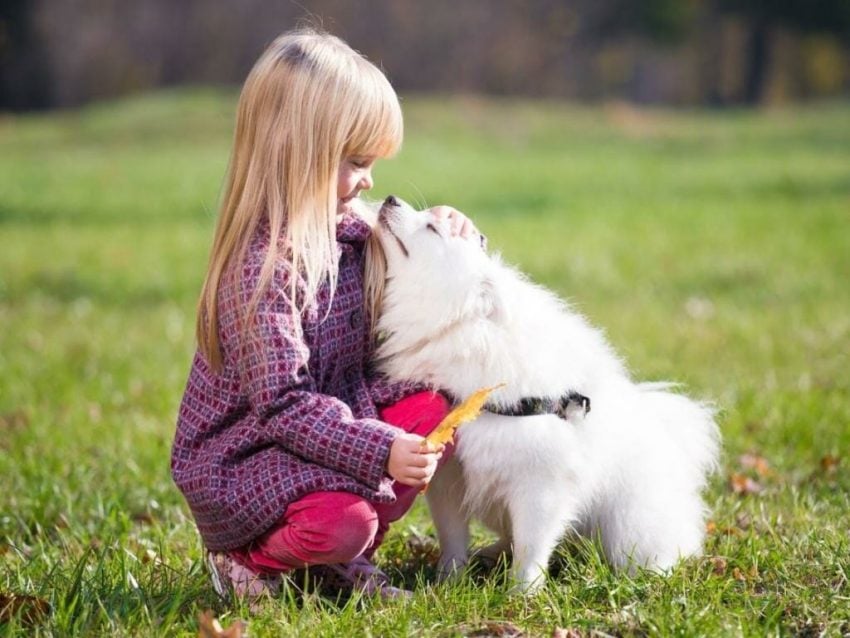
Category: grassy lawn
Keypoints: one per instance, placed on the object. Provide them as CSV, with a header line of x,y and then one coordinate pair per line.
x,y
713,247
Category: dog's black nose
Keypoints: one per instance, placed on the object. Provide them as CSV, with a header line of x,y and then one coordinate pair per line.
x,y
391,201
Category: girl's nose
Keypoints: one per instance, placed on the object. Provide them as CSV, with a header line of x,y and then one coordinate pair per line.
x,y
366,182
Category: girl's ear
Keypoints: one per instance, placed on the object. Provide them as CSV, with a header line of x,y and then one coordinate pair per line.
x,y
491,304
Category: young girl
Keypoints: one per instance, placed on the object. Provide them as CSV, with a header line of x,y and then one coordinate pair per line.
x,y
280,450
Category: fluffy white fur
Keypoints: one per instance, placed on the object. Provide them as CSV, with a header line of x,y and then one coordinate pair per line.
x,y
631,471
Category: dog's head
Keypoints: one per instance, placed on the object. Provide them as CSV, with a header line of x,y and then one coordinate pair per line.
x,y
434,280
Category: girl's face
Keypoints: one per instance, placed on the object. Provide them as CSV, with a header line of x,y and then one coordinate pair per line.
x,y
355,175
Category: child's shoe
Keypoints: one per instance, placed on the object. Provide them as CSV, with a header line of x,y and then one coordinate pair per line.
x,y
359,575
231,578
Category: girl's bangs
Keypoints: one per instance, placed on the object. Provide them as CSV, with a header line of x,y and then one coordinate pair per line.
x,y
377,127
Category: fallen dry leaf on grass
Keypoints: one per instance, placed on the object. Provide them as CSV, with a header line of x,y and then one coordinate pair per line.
x,y
30,609
753,468
492,629
145,518
719,565
755,462
743,521
713,529
210,627
829,464
743,484
423,549
466,411
742,576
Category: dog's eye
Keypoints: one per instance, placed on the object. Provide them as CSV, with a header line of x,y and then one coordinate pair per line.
x,y
433,228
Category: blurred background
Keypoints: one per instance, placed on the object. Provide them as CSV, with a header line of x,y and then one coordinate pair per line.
x,y
59,53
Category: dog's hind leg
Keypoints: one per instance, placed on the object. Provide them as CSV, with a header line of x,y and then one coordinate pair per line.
x,y
445,500
651,530
656,514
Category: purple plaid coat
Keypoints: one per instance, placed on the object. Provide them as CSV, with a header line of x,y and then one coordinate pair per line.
x,y
287,415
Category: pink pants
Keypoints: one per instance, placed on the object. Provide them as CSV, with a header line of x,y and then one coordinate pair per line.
x,y
336,527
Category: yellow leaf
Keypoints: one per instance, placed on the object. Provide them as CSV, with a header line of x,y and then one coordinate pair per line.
x,y
466,411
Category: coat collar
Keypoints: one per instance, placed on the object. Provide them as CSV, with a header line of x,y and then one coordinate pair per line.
x,y
351,229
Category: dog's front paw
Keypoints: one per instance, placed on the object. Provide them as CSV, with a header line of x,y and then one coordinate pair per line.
x,y
450,566
528,581
525,589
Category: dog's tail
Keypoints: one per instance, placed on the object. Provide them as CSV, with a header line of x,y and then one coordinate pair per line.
x,y
692,424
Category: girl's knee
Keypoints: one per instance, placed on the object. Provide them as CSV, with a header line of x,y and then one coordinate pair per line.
x,y
354,530
336,527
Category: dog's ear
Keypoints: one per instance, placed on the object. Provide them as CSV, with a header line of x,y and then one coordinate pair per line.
x,y
491,305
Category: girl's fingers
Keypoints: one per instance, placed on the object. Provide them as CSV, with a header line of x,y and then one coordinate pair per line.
x,y
419,460
459,224
467,229
422,472
416,474
430,447
432,467
440,212
456,222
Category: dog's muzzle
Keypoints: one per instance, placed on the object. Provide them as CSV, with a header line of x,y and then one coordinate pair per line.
x,y
389,211
388,214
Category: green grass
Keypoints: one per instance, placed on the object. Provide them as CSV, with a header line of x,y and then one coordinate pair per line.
x,y
713,247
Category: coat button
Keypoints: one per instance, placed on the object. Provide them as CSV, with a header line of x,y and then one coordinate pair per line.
x,y
355,319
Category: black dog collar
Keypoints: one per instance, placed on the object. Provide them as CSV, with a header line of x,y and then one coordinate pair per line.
x,y
563,406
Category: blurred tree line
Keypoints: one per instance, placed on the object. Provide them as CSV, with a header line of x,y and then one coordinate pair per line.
x,y
56,53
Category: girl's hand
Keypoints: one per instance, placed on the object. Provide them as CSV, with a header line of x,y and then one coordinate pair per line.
x,y
459,224
410,462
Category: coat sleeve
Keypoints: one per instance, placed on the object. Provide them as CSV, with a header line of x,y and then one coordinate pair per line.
x,y
274,367
385,392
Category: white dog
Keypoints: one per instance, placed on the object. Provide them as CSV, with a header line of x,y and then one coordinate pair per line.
x,y
593,451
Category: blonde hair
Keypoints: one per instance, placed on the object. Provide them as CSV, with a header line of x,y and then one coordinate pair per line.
x,y
309,102
374,278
